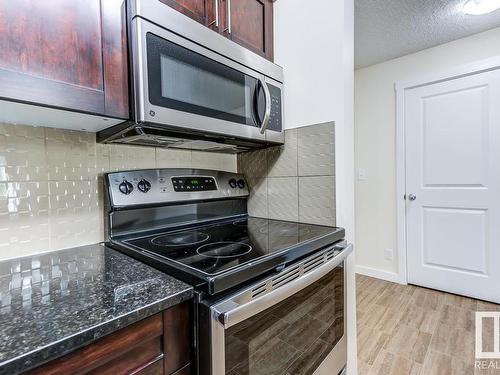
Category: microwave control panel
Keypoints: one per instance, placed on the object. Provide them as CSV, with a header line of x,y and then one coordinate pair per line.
x,y
275,122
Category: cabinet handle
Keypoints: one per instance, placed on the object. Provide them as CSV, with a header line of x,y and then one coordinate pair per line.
x,y
216,21
228,28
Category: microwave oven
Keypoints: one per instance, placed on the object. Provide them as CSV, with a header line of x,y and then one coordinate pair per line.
x,y
193,88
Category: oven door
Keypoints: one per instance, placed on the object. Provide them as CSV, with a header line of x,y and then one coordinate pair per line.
x,y
291,324
184,86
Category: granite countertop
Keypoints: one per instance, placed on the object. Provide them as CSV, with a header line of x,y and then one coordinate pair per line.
x,y
56,302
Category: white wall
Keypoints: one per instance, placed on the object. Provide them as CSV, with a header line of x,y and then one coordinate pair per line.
x,y
375,123
309,44
315,46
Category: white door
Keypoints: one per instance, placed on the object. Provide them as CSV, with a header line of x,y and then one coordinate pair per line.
x,y
453,185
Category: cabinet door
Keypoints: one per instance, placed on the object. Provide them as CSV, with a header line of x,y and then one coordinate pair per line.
x,y
177,338
115,58
160,344
65,54
249,23
122,352
195,9
51,53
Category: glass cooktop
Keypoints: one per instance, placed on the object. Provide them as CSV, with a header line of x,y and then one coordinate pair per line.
x,y
219,247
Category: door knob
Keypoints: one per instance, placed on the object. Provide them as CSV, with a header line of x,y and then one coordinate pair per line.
x,y
412,197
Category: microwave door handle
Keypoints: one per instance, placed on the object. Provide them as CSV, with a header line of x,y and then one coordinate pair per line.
x,y
267,113
233,313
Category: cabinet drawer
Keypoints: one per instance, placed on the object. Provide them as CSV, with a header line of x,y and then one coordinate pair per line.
x,y
155,368
141,357
137,345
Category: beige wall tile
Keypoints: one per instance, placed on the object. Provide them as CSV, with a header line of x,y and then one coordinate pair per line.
x,y
67,211
75,215
24,227
257,201
167,158
316,150
22,154
38,216
212,160
282,160
71,155
22,130
283,196
317,200
253,163
102,160
308,151
124,158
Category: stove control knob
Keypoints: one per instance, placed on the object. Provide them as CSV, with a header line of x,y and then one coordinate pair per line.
x,y
126,187
144,186
241,183
233,183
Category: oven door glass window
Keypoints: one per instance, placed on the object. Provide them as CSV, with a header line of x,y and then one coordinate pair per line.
x,y
293,337
181,79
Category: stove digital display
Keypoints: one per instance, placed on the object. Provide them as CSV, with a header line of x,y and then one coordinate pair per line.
x,y
182,184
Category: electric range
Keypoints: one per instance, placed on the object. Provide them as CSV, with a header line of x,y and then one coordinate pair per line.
x,y
194,225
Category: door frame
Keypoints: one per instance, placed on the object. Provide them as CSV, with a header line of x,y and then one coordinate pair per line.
x,y
400,87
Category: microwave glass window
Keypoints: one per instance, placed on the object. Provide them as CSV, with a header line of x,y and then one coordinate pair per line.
x,y
293,337
187,81
206,89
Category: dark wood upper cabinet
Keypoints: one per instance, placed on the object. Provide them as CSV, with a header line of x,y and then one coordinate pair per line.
x,y
246,22
115,58
250,24
195,9
203,11
70,55
73,54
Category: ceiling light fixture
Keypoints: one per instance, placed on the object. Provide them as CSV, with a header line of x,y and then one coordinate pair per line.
x,y
478,7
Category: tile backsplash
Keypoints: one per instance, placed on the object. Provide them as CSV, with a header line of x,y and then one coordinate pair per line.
x,y
51,196
296,181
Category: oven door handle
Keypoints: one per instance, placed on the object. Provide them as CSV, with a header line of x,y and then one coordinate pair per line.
x,y
230,313
267,112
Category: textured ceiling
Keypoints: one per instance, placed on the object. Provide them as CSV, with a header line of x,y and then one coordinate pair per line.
x,y
386,29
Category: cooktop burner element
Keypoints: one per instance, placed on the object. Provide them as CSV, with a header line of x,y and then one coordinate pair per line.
x,y
180,239
224,249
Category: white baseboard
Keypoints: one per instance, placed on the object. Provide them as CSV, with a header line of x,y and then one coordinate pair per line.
x,y
379,274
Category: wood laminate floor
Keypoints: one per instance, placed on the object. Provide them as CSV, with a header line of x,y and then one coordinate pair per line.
x,y
405,329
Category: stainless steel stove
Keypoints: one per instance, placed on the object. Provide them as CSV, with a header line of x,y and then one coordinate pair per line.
x,y
270,294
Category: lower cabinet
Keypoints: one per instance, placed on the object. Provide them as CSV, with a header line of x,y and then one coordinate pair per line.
x,y
158,345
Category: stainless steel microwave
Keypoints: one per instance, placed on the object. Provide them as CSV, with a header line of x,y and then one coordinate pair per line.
x,y
193,88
